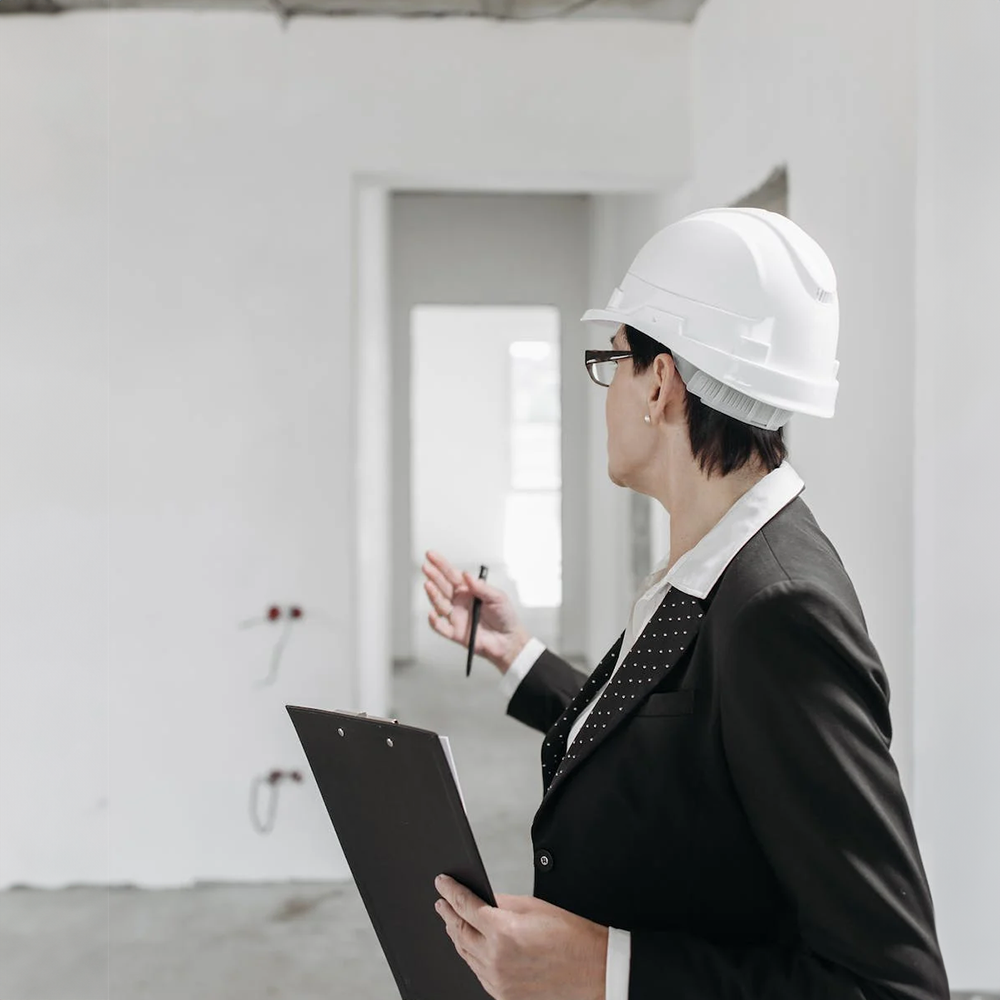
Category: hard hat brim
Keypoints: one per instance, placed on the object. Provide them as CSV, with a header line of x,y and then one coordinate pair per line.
x,y
702,357
604,316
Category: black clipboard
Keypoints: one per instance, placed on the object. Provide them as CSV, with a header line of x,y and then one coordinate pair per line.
x,y
398,813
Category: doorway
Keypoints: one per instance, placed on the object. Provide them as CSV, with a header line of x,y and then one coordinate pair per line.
x,y
485,454
486,291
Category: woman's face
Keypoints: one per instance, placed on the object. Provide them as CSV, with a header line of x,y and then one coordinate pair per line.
x,y
631,441
639,453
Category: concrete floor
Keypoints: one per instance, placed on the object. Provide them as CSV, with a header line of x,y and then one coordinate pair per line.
x,y
298,941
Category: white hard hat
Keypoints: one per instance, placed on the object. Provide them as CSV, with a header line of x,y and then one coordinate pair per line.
x,y
747,303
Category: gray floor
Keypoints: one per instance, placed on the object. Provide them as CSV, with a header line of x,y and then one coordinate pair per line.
x,y
301,941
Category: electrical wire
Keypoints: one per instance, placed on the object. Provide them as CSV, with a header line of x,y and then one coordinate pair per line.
x,y
279,647
271,780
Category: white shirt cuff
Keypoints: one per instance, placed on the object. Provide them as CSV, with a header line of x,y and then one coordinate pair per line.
x,y
619,962
522,664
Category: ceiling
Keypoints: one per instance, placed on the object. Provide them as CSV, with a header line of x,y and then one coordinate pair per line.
x,y
513,10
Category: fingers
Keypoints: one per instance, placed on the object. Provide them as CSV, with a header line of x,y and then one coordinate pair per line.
x,y
480,588
441,625
444,569
444,627
441,604
447,578
466,904
437,578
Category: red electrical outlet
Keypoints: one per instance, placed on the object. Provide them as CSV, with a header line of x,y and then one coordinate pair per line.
x,y
273,613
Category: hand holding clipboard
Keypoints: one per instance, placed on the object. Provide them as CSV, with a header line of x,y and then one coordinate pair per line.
x,y
392,794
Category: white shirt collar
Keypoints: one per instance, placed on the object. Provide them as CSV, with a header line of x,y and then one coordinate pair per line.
x,y
698,570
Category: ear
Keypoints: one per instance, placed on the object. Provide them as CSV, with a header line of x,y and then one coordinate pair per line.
x,y
666,386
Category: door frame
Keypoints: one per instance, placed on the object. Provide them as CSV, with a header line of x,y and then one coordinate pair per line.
x,y
370,466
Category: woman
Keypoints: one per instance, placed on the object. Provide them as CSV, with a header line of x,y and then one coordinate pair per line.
x,y
721,815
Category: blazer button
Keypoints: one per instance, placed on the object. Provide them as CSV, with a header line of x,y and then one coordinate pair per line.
x,y
543,861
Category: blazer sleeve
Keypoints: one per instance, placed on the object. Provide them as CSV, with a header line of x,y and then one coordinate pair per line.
x,y
805,728
545,691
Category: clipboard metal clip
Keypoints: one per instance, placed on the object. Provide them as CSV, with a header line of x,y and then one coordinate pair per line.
x,y
365,715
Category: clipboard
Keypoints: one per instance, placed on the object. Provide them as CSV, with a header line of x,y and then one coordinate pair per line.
x,y
392,794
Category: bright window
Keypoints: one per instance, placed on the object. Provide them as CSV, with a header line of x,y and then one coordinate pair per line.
x,y
533,523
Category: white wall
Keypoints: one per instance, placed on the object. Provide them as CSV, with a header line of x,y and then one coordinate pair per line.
x,y
958,485
177,293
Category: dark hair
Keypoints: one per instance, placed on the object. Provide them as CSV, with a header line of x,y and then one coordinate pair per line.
x,y
719,442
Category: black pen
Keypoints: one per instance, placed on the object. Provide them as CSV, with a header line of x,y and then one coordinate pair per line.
x,y
476,605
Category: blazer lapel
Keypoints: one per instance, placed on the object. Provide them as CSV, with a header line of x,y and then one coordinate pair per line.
x,y
554,745
669,632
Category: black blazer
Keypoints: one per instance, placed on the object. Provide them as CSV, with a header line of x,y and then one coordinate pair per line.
x,y
745,821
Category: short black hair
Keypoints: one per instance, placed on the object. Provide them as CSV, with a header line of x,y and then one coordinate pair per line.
x,y
719,442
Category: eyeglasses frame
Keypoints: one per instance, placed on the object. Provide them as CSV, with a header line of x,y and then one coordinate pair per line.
x,y
592,358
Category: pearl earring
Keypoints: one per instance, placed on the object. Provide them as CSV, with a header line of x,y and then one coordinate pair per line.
x,y
646,418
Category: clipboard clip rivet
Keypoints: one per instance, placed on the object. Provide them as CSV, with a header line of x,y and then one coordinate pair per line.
x,y
389,741
340,732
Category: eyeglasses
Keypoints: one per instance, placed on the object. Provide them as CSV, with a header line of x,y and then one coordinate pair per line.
x,y
601,365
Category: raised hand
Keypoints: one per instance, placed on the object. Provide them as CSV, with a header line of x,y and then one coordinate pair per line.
x,y
499,636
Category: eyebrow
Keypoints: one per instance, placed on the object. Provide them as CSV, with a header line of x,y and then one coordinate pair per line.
x,y
615,334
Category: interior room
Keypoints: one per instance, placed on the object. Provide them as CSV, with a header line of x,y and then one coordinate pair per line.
x,y
291,295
